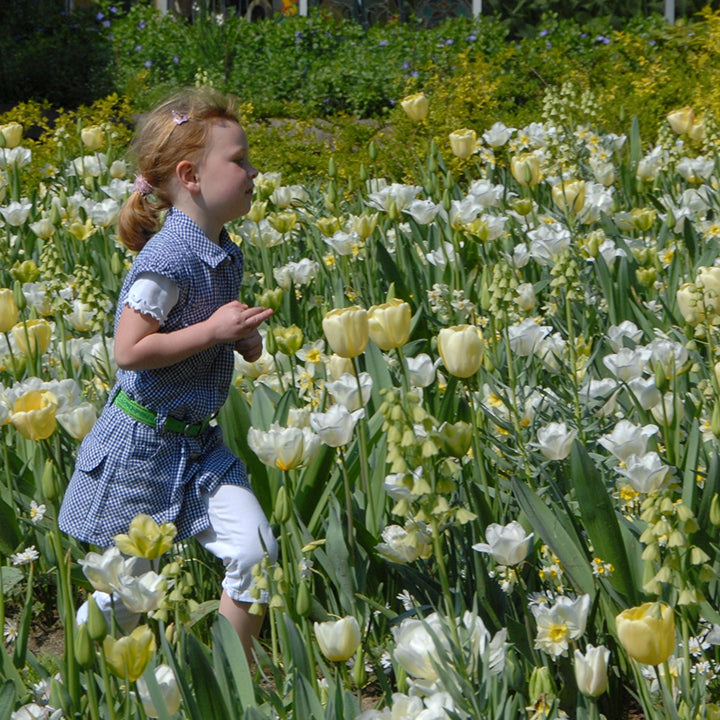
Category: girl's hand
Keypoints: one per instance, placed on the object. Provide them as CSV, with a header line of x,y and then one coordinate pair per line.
x,y
236,321
250,347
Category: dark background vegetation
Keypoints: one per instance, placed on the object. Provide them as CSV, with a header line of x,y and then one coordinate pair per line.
x,y
72,58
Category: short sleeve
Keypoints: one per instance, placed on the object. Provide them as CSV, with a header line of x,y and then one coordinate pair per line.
x,y
154,295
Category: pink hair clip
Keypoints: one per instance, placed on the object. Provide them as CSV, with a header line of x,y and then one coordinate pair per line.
x,y
179,118
142,186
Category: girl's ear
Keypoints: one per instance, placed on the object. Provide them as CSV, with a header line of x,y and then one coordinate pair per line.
x,y
186,175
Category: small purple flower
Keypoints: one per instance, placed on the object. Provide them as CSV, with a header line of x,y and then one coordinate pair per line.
x,y
548,44
113,10
583,35
545,32
602,39
414,73
99,17
472,37
176,59
138,48
383,43
406,65
107,23
652,42
449,41
141,24
147,63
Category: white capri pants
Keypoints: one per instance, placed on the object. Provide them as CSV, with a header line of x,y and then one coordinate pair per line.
x,y
239,534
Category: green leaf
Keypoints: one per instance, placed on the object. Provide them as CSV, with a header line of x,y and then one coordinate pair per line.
x,y
7,698
10,535
227,643
549,527
600,520
207,691
155,693
306,703
191,709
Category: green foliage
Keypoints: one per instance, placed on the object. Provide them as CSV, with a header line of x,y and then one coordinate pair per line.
x,y
49,54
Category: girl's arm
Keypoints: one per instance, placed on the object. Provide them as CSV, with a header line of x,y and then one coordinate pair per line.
x,y
139,345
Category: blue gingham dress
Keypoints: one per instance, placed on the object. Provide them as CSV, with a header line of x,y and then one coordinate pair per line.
x,y
124,467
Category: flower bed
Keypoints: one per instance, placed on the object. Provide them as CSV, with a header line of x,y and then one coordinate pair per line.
x,y
484,427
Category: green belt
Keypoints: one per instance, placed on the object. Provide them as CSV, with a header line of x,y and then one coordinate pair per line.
x,y
148,417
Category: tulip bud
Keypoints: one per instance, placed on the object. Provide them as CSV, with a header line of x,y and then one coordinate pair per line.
x,y
715,510
461,349
455,439
8,310
338,640
332,168
116,264
84,650
540,684
715,421
271,343
97,622
283,508
92,138
362,173
48,483
526,169
289,339
463,143
19,296
643,218
359,671
389,324
270,298
302,600
415,106
372,151
569,195
347,330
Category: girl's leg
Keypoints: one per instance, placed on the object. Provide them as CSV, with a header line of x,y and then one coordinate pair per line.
x,y
240,535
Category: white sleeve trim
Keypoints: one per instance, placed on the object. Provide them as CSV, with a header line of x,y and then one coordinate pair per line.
x,y
154,295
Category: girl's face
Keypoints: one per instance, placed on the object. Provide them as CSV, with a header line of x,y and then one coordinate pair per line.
x,y
225,173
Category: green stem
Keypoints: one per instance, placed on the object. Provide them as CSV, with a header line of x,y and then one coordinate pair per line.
x,y
348,505
370,520
109,698
573,368
93,704
442,571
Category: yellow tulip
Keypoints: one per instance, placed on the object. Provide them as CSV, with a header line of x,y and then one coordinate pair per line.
x,y
416,106
130,655
461,349
8,310
681,121
12,134
463,143
525,169
92,138
347,331
33,414
697,130
289,339
689,303
647,632
146,538
32,336
569,195
389,324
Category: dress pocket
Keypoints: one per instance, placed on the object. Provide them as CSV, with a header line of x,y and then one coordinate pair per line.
x,y
90,457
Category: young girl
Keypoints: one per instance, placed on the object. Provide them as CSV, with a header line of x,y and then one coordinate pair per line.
x,y
154,449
